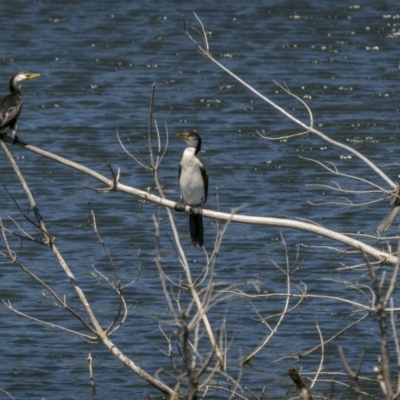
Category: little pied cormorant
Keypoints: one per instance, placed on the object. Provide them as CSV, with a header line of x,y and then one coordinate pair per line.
x,y
11,105
193,182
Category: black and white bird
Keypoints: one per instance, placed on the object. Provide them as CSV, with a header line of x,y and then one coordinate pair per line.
x,y
193,182
11,105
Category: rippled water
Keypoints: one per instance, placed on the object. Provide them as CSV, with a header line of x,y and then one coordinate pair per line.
x,y
98,62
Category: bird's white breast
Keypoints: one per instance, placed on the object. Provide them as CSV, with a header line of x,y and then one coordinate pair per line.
x,y
191,180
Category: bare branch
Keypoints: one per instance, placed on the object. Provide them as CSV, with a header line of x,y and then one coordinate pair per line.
x,y
82,335
267,221
92,384
99,331
206,52
354,375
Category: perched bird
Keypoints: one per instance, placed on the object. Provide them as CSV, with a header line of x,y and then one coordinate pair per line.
x,y
193,182
11,105
387,221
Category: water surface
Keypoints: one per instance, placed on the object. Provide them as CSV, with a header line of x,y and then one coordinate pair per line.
x,y
98,62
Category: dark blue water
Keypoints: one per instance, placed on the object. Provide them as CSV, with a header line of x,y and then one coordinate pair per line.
x,y
98,62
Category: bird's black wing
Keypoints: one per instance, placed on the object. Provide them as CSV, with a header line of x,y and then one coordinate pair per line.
x,y
10,108
205,180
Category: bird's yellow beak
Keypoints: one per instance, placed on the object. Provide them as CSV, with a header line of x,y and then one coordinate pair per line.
x,y
183,135
32,76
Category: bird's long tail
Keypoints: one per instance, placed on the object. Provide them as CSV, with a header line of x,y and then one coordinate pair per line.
x,y
196,229
387,221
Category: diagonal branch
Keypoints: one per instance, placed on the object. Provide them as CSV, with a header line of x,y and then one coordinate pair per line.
x,y
97,329
205,51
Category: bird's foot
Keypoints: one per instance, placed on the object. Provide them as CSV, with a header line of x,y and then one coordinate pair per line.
x,y
180,206
16,140
196,210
